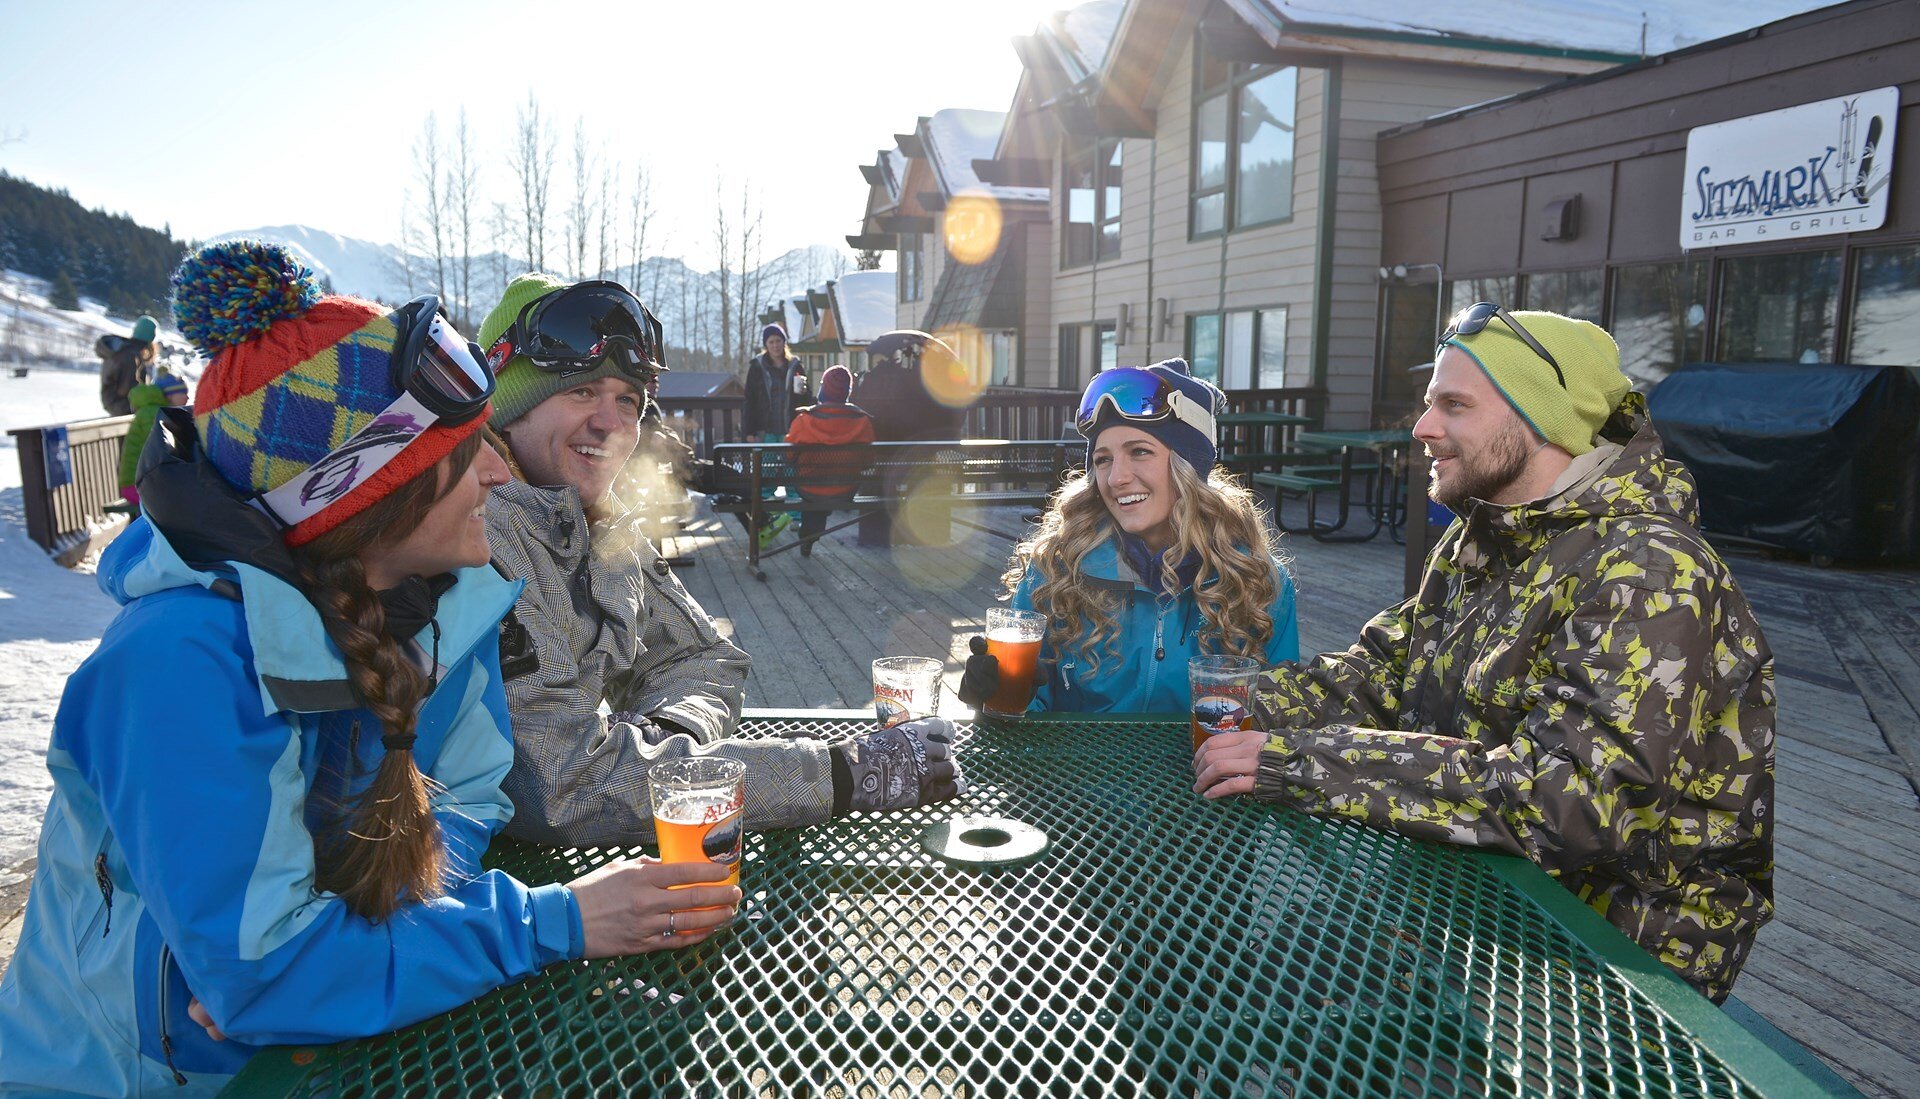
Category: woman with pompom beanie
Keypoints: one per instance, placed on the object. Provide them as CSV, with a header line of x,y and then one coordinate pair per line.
x,y
274,834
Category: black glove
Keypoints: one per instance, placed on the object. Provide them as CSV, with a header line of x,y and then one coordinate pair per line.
x,y
899,768
982,676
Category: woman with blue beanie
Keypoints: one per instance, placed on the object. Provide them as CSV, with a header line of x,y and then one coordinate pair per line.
x,y
1151,557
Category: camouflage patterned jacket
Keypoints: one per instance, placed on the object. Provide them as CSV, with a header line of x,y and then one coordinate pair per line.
x,y
607,620
1579,681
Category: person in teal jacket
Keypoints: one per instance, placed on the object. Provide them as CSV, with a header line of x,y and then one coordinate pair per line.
x,y
273,835
1150,558
165,391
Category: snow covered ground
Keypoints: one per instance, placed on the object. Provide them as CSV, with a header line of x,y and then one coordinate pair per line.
x,y
50,617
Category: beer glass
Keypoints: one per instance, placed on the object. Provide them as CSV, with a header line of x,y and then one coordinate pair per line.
x,y
697,810
1013,638
905,688
1222,694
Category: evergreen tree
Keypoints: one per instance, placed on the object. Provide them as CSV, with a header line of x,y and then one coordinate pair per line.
x,y
63,295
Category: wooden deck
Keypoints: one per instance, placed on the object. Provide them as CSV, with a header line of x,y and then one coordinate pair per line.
x,y
1838,969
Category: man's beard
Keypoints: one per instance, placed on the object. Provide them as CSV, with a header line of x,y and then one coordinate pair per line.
x,y
1487,473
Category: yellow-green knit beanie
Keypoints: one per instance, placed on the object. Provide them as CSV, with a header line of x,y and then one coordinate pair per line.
x,y
1568,417
519,385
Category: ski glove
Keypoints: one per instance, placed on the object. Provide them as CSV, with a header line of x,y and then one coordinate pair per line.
x,y
908,765
982,675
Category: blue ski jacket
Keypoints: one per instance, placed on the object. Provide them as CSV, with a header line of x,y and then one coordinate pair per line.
x,y
176,857
1146,670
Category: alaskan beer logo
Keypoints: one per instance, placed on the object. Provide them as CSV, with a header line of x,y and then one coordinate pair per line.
x,y
722,842
1220,712
890,704
1803,171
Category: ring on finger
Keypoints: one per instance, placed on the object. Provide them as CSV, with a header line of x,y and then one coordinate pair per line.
x,y
670,929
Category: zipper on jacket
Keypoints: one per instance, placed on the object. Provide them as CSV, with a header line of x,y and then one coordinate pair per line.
x,y
105,882
166,1042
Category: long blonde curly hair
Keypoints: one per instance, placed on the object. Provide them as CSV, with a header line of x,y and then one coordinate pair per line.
x,y
1214,518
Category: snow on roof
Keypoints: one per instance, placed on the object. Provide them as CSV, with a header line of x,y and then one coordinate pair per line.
x,y
863,305
1608,26
894,165
1086,32
956,138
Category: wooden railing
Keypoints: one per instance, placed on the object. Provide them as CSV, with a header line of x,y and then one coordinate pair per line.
x,y
65,520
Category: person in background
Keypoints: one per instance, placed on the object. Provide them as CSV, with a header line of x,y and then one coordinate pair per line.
x,y
273,834
603,620
1150,557
1577,680
147,400
828,478
776,388
126,361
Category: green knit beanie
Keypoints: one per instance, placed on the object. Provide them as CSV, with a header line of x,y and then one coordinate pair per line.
x,y
519,385
145,328
1571,417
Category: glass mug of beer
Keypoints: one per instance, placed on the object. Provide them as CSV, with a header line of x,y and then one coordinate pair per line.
x,y
1222,694
905,688
1013,639
698,813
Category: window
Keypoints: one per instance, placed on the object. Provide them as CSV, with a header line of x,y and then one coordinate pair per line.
x,y
909,267
1109,344
1659,318
1242,349
1092,207
1569,293
1779,308
1407,337
1886,307
1003,357
1498,290
1069,375
1243,129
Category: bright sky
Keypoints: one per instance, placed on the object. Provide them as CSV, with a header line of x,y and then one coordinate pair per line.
x,y
222,116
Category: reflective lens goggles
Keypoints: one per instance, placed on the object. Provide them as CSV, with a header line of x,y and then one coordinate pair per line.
x,y
572,329
438,366
1477,316
1136,394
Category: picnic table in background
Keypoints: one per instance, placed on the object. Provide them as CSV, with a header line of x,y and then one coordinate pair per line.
x,y
1151,943
1251,441
1329,461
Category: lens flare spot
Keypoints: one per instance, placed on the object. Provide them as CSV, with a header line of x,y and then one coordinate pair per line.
x,y
949,378
973,226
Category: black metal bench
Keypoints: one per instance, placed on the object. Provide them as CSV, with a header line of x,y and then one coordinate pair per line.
x,y
885,477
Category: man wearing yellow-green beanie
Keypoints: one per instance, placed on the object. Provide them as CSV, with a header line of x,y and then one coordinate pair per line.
x,y
602,619
1578,679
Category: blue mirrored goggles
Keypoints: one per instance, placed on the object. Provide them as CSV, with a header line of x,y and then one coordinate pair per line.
x,y
1136,394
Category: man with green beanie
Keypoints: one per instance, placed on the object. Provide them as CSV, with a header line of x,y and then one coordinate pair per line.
x,y
1577,680
126,362
603,620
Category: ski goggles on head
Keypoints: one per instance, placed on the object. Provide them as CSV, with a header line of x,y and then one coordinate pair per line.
x,y
1474,318
1136,394
572,329
437,366
441,378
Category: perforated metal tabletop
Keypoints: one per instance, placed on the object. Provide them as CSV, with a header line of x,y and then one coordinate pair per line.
x,y
1160,945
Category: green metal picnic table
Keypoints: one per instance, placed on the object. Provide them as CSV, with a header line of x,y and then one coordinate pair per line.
x,y
1158,944
1383,498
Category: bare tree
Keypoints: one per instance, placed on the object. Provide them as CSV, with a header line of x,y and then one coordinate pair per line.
x,y
580,215
531,158
867,259
752,276
723,251
501,232
463,190
430,211
609,226
639,220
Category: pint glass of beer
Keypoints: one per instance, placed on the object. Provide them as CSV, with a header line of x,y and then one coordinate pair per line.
x,y
905,688
697,810
1222,694
1013,638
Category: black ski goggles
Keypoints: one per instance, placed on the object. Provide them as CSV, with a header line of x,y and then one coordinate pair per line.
x,y
572,329
438,366
1477,316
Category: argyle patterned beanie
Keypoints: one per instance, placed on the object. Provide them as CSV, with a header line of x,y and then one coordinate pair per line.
x,y
292,375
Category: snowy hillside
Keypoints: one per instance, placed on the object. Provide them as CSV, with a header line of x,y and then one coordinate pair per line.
x,y
33,332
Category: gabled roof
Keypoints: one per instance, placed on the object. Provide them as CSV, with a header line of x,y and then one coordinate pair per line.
x,y
984,295
954,139
863,306
680,384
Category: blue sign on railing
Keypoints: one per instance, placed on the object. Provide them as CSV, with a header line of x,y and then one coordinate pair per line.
x,y
59,458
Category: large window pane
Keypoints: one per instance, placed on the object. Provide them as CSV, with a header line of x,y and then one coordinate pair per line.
x,y
1069,374
1570,293
1079,208
1110,202
1659,318
1264,175
1272,366
1407,340
1497,290
1236,357
1109,347
1779,308
1886,307
1210,166
1203,346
